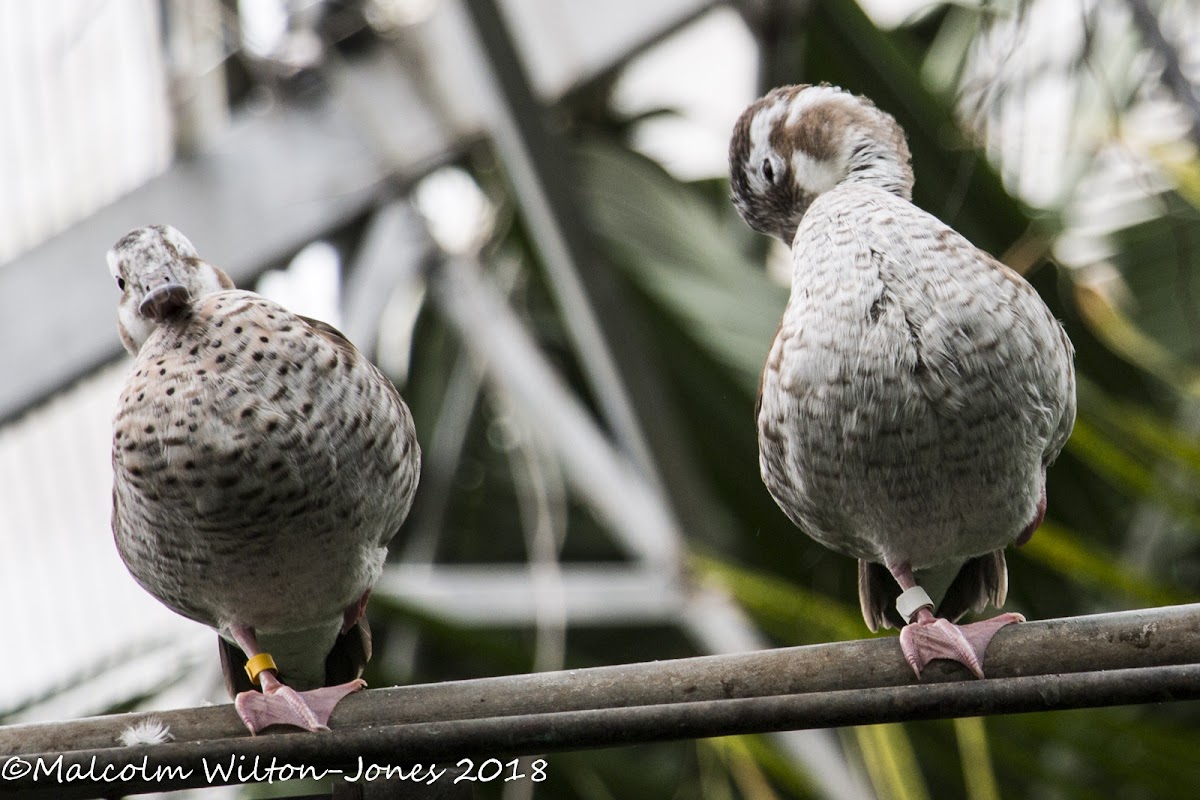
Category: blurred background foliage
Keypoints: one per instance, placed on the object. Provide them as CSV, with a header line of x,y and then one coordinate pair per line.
x,y
1124,499
1110,241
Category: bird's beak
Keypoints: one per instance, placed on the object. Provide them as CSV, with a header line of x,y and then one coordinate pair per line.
x,y
166,295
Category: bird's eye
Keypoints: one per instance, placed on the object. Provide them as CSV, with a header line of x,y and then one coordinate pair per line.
x,y
121,284
768,171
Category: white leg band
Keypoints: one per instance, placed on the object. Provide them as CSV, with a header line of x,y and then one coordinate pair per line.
x,y
912,601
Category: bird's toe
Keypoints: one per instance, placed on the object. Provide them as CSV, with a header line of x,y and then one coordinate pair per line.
x,y
285,706
924,641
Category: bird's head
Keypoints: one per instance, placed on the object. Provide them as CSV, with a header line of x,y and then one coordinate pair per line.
x,y
799,141
159,275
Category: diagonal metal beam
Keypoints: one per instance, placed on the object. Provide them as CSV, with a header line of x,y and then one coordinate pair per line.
x,y
540,170
615,345
604,477
275,182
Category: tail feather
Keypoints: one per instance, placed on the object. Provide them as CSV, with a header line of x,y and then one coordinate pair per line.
x,y
982,580
877,593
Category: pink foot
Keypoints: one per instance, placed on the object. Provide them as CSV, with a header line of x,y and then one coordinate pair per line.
x,y
931,637
278,704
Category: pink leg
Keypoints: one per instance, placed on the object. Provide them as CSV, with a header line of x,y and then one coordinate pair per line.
x,y
279,704
928,637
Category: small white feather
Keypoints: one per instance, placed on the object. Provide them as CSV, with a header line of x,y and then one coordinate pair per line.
x,y
148,731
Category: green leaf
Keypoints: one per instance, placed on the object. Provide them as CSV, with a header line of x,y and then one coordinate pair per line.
x,y
677,250
891,762
976,758
1125,472
791,613
1087,564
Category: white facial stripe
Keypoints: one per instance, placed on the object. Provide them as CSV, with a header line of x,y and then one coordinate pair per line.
x,y
760,142
814,175
114,266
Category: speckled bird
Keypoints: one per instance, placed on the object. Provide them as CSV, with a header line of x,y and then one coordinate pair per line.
x,y
261,464
916,389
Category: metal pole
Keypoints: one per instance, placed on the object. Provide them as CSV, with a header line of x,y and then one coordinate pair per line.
x,y
1109,659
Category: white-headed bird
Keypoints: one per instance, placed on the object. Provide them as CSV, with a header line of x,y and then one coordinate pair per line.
x,y
917,388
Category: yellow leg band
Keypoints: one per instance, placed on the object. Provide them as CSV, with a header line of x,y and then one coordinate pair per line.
x,y
258,664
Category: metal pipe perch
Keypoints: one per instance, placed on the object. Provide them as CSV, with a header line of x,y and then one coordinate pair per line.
x,y
1107,659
